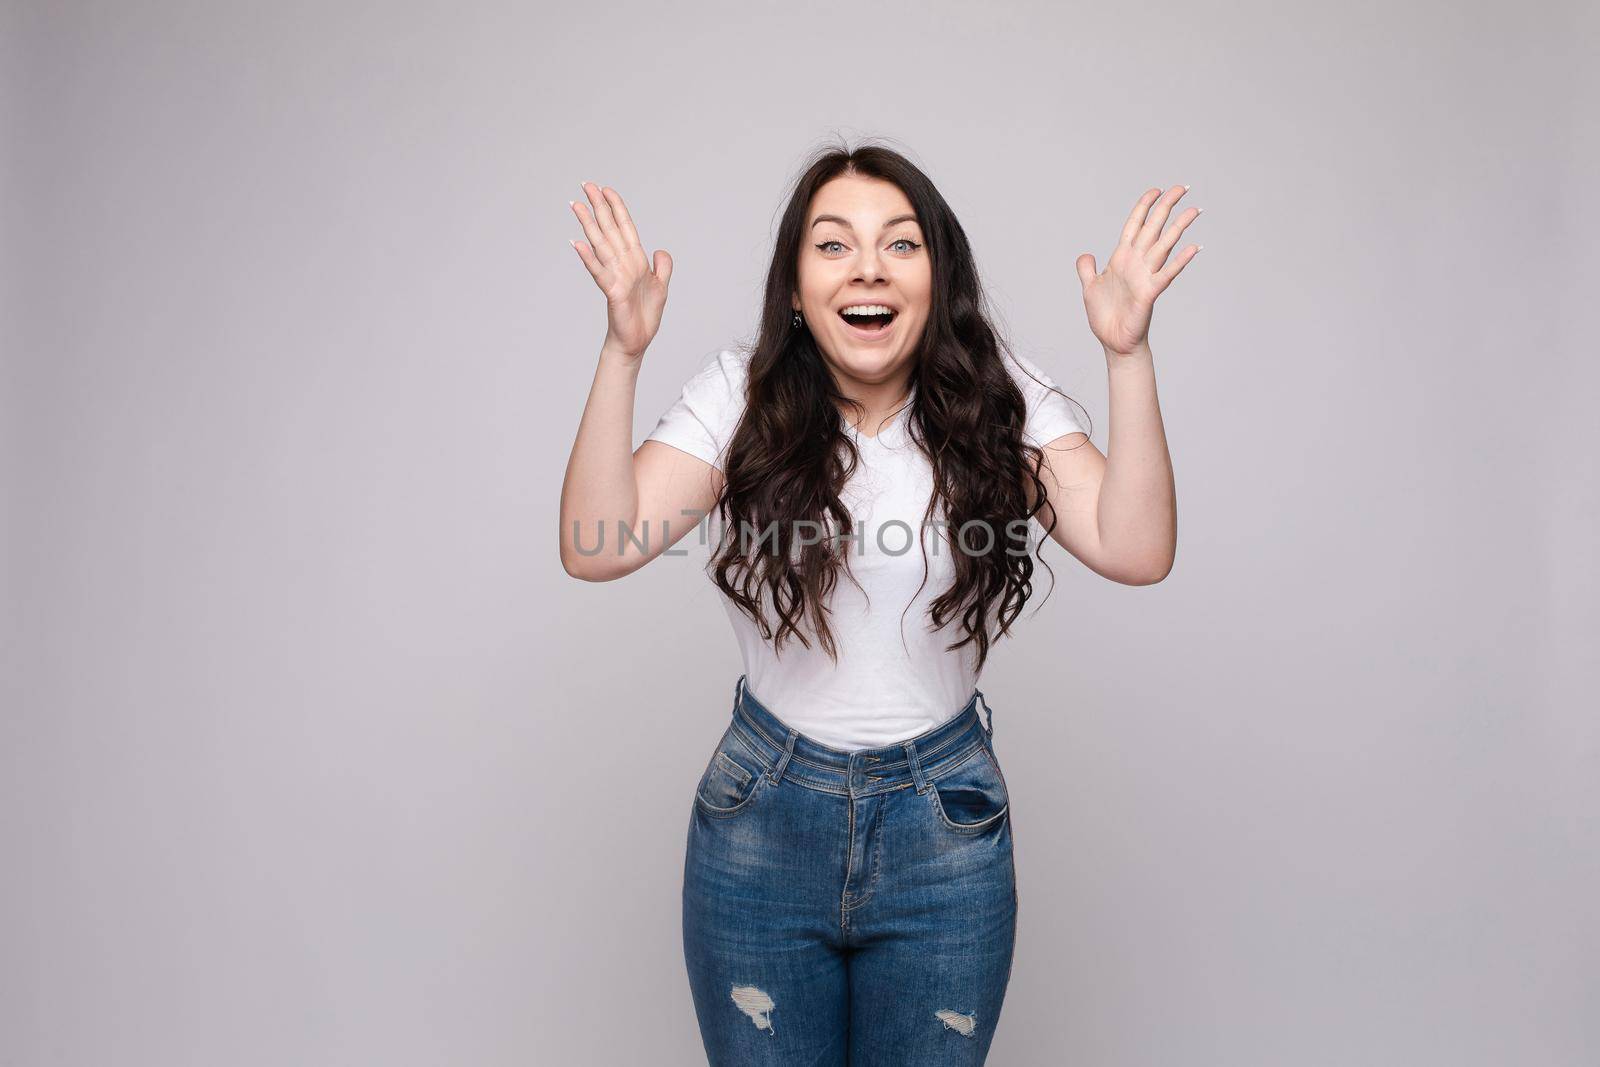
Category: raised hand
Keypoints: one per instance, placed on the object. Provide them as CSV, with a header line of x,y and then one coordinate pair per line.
x,y
1120,300
635,291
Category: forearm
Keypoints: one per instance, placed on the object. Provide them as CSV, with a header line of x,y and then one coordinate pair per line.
x,y
599,490
1137,510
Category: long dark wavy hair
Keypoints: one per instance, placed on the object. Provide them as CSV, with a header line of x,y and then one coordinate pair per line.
x,y
789,457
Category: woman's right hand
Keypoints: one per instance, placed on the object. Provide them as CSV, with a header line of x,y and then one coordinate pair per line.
x,y
635,292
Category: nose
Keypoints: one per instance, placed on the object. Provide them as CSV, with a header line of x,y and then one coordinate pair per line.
x,y
869,267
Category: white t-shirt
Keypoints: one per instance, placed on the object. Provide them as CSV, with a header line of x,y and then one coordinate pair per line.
x,y
894,678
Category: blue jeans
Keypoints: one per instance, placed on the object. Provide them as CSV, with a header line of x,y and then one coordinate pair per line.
x,y
851,908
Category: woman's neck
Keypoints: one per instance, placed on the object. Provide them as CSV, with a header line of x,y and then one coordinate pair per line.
x,y
879,401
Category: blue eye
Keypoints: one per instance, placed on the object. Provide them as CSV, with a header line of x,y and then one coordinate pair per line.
x,y
823,246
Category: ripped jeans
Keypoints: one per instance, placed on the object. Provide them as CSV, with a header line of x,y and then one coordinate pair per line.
x,y
849,908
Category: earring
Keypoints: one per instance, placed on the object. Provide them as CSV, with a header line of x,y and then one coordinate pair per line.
x,y
797,320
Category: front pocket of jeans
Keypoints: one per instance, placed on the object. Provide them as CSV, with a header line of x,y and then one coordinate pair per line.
x,y
727,784
972,797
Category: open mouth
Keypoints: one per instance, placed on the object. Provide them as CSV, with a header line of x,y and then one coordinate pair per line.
x,y
869,326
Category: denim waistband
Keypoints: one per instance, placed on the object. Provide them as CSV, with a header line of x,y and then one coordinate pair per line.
x,y
788,755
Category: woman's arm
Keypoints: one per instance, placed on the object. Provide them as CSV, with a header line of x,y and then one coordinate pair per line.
x,y
619,508
1118,513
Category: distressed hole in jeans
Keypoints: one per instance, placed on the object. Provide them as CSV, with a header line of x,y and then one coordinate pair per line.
x,y
954,1020
756,1004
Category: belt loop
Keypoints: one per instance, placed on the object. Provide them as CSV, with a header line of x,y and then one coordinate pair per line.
x,y
738,692
987,711
776,774
916,767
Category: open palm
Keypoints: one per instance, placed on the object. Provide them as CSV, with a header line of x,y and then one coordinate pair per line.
x,y
1119,301
635,286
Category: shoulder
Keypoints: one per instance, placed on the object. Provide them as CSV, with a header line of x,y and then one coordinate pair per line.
x,y
708,409
721,377
1050,413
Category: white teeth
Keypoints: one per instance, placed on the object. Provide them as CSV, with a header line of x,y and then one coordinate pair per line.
x,y
866,309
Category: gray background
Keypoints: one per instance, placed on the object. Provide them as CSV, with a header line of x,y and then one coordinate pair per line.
x,y
313,754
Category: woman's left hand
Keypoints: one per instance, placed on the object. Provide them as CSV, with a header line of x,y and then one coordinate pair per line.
x,y
1120,300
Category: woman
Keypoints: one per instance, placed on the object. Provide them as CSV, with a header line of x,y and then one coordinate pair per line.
x,y
849,891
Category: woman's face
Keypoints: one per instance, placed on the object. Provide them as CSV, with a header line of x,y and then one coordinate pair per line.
x,y
863,247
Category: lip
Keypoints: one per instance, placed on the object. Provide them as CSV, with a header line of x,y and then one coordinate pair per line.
x,y
862,335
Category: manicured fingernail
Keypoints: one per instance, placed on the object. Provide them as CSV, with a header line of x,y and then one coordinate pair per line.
x,y
1186,188
1198,249
1199,211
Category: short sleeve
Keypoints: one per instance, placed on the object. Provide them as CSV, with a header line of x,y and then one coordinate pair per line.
x,y
1050,414
702,420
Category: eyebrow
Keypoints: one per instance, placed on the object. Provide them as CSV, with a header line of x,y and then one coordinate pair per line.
x,y
846,222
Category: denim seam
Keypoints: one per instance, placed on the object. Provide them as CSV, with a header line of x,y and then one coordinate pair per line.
x,y
840,786
722,759
956,764
877,857
964,827
760,758
849,857
714,812
989,755
976,827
